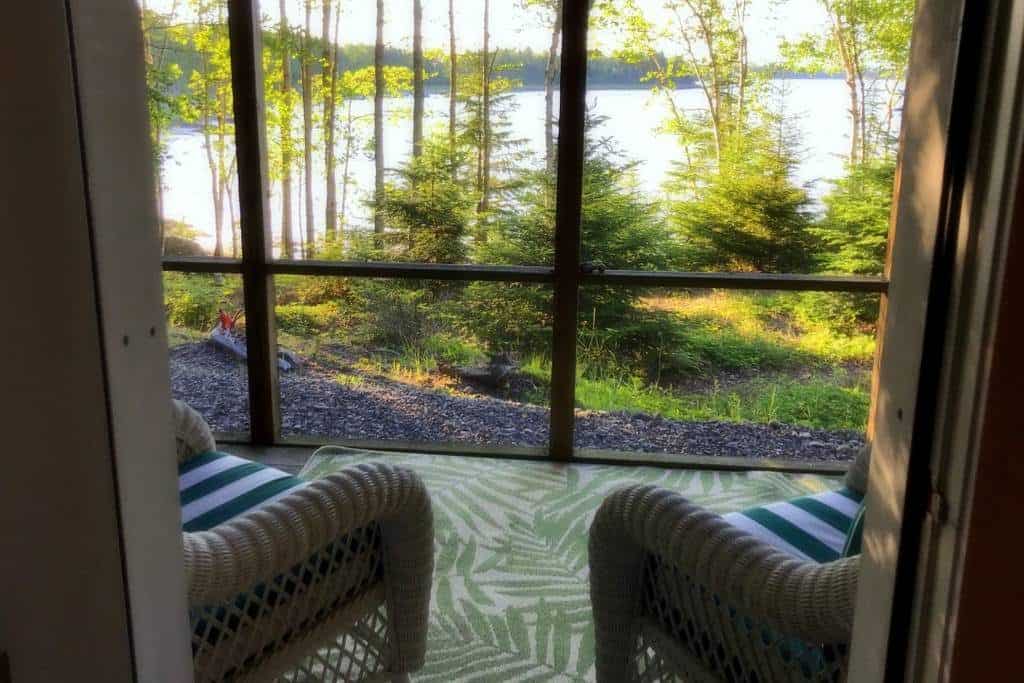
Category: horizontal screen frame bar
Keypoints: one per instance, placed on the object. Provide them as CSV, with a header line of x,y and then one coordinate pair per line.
x,y
470,272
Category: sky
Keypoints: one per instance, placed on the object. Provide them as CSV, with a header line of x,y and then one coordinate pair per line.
x,y
514,27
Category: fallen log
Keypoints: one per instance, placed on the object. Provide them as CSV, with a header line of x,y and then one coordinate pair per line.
x,y
235,344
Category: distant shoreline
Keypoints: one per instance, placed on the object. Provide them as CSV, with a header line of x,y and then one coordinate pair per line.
x,y
439,89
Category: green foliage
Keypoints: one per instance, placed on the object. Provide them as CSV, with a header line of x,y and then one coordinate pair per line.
x,y
825,404
427,211
192,300
747,219
180,240
855,228
731,205
160,36
662,346
398,313
507,316
854,233
840,312
308,320
619,229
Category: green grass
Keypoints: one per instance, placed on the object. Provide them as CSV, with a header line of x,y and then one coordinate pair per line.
x,y
176,336
736,356
813,403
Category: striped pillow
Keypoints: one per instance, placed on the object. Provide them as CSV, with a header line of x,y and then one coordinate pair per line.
x,y
853,539
214,487
811,528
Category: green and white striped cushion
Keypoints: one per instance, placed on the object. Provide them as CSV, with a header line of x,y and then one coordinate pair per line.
x,y
811,528
214,487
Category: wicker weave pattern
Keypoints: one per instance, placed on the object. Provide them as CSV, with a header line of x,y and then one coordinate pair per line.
x,y
734,607
330,582
192,435
857,475
264,579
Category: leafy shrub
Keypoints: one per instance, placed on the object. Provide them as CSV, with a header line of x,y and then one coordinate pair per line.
x,y
668,347
842,312
394,313
507,316
180,239
305,320
192,300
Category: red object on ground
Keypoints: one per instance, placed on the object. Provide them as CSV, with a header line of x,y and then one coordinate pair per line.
x,y
227,322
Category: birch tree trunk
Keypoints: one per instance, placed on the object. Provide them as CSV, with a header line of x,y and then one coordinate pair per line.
x,y
378,121
327,78
453,59
287,239
485,104
550,74
417,78
307,132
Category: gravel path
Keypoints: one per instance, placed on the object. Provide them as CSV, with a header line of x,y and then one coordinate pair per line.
x,y
312,403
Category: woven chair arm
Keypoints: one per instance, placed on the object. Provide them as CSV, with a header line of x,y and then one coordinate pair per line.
x,y
812,601
192,435
255,547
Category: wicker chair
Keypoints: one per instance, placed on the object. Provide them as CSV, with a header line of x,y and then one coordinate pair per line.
x,y
680,594
328,582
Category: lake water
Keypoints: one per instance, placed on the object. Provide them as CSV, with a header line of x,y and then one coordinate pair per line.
x,y
632,119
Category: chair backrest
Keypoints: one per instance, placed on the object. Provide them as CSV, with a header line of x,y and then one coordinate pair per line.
x,y
192,435
857,475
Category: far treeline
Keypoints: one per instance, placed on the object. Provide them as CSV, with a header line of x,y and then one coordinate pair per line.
x,y
527,67
469,193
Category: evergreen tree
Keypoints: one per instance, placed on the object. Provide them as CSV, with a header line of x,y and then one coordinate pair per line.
x,y
748,217
855,228
619,228
428,214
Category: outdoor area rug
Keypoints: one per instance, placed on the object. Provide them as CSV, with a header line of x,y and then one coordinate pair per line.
x,y
511,600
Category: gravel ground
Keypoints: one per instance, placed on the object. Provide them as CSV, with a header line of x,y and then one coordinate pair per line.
x,y
312,403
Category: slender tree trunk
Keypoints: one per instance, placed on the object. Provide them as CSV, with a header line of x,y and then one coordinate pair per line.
x,y
417,78
307,132
287,238
218,220
300,222
744,67
550,74
328,78
378,121
159,178
333,171
231,219
215,188
852,77
215,192
485,185
453,59
713,91
864,142
349,140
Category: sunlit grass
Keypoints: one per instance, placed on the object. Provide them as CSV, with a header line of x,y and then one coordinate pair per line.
x,y
763,328
814,403
731,356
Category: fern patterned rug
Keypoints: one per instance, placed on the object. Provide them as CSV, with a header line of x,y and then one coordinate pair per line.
x,y
511,600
